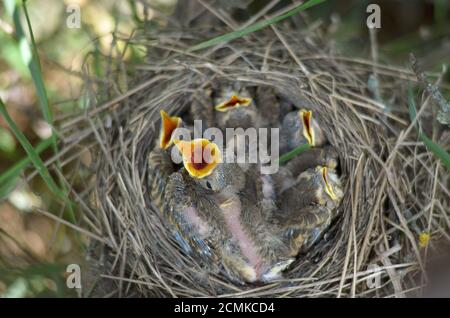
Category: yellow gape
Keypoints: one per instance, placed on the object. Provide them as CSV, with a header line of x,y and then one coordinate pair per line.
x,y
328,187
233,102
200,156
308,130
168,125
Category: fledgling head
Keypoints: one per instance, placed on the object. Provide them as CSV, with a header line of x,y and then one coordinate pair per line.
x,y
236,108
322,183
202,159
223,176
232,98
298,128
168,126
200,156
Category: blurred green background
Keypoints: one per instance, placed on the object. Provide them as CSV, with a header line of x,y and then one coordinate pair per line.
x,y
34,250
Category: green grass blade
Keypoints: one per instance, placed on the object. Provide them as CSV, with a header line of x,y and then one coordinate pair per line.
x,y
12,173
30,57
31,152
436,149
6,187
255,27
36,74
291,154
431,145
19,166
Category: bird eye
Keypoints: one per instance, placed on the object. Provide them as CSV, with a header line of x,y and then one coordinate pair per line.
x,y
208,185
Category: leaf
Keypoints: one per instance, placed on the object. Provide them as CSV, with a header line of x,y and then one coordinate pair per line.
x,y
431,146
255,27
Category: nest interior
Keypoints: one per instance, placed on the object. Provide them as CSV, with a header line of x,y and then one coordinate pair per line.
x,y
371,249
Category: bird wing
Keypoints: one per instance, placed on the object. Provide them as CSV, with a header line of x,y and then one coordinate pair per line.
x,y
304,228
187,226
160,167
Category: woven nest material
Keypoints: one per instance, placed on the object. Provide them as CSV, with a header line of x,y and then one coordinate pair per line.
x,y
372,249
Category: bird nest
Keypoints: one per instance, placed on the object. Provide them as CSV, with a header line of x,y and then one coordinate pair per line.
x,y
376,245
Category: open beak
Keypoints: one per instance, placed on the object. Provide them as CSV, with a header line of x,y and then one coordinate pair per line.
x,y
200,156
233,102
168,126
308,131
328,187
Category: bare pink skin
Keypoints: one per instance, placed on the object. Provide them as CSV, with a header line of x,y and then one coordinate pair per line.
x,y
231,209
195,220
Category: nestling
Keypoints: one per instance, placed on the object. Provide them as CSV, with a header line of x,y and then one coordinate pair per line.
x,y
213,203
308,206
298,128
159,164
235,108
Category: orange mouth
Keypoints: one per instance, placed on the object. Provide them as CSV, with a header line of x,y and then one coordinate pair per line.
x,y
328,187
200,156
168,125
308,131
233,102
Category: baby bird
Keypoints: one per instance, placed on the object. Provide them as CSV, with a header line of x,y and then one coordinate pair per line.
x,y
212,208
236,109
159,164
298,128
286,176
308,206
